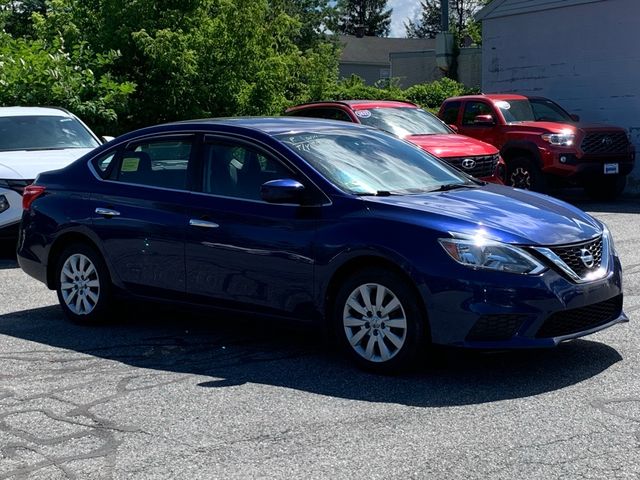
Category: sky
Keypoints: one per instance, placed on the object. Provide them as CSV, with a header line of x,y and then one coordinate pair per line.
x,y
402,9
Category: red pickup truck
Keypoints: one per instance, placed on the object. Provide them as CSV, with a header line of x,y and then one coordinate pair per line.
x,y
543,145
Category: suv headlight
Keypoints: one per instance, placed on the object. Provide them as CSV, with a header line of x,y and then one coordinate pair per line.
x,y
559,139
4,203
480,252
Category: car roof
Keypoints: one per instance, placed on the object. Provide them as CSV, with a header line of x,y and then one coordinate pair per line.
x,y
490,96
33,111
357,104
273,125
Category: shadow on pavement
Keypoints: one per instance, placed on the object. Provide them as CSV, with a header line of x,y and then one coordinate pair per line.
x,y
624,204
235,351
7,255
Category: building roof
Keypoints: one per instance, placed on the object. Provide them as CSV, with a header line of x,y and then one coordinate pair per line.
x,y
505,8
376,50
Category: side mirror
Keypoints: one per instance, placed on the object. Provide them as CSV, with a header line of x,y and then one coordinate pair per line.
x,y
107,139
574,117
484,120
453,127
284,190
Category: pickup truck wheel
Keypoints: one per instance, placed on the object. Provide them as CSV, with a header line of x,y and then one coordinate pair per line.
x,y
606,188
522,173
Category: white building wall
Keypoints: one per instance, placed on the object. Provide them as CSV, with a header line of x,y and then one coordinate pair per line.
x,y
584,56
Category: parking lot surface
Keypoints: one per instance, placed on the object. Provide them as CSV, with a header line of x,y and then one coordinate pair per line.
x,y
163,393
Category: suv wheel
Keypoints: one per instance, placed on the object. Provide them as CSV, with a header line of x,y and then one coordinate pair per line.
x,y
83,284
378,321
606,188
522,173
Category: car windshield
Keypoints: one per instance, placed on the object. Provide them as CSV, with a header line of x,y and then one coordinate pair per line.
x,y
41,132
368,162
532,110
403,121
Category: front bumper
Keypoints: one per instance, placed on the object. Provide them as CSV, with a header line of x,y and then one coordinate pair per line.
x,y
482,310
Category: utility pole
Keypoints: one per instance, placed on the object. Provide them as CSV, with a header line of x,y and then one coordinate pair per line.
x,y
444,15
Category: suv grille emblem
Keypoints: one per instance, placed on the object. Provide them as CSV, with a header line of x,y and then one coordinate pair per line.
x,y
607,141
468,163
587,257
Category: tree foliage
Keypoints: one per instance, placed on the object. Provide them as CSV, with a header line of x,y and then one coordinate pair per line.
x,y
461,20
366,17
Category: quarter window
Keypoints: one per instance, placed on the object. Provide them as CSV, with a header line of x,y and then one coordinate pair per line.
x,y
156,163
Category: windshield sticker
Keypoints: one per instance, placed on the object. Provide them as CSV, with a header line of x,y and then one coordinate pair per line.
x,y
502,105
363,113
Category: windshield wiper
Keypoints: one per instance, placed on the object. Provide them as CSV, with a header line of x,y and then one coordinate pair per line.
x,y
453,186
378,193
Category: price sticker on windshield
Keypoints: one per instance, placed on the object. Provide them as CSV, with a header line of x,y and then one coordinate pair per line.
x,y
363,113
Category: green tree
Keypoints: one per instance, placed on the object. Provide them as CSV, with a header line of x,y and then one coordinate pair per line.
x,y
17,16
313,15
461,20
363,17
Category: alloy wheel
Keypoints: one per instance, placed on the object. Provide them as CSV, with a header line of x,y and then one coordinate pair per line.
x,y
374,322
79,284
521,178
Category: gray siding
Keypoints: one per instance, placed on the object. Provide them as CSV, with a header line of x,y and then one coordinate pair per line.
x,y
370,73
503,8
583,56
411,68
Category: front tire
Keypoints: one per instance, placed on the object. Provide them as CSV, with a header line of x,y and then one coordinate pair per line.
x,y
523,173
378,320
83,284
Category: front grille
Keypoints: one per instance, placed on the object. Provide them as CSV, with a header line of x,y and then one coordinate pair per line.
x,y
485,165
572,255
580,319
495,327
16,185
605,142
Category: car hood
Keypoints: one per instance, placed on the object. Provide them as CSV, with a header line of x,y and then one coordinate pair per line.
x,y
26,165
505,214
452,145
555,127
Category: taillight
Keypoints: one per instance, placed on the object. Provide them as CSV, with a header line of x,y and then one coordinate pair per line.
x,y
31,192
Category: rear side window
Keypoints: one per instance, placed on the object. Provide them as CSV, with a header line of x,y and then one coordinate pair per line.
x,y
473,109
158,163
449,113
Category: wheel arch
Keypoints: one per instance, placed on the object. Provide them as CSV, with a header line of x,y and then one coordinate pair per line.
x,y
515,149
354,264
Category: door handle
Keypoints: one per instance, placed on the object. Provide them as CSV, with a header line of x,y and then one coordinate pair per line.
x,y
202,223
107,212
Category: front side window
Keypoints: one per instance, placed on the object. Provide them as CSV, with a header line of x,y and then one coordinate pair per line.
x,y
403,122
450,112
236,170
43,132
371,162
157,163
472,110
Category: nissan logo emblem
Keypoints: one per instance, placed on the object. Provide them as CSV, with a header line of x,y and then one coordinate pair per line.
x,y
468,163
587,258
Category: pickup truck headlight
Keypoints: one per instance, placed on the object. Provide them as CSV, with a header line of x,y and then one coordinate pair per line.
x,y
480,252
559,139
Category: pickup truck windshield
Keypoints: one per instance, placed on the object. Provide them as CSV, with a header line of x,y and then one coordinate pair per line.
x,y
532,110
403,122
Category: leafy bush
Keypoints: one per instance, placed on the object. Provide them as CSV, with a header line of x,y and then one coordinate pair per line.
x,y
431,95
355,88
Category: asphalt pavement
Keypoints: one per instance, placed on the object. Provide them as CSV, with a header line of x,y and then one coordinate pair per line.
x,y
164,393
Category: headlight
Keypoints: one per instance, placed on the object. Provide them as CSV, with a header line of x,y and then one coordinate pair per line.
x,y
559,139
4,203
480,252
606,233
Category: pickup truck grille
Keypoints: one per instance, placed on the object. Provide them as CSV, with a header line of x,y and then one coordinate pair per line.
x,y
483,166
571,255
605,142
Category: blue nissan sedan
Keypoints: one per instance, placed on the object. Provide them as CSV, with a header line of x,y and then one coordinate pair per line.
x,y
319,221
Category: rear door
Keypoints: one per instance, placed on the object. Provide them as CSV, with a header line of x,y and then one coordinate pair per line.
x,y
141,209
242,251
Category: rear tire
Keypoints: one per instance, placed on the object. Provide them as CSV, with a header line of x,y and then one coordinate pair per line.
x,y
378,321
83,284
606,188
523,173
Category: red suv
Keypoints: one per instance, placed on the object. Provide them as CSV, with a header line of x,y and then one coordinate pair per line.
x,y
407,121
543,145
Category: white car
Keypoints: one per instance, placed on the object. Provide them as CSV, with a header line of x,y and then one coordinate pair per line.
x,y
34,140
